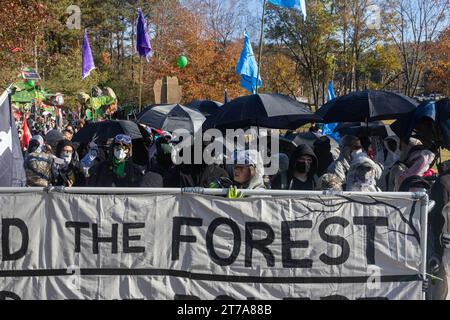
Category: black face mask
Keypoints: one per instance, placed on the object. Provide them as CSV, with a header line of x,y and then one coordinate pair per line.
x,y
302,167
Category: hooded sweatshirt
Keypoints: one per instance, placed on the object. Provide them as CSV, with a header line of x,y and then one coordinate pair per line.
x,y
363,174
252,157
418,162
294,183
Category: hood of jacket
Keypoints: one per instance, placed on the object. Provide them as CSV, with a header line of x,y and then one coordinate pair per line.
x,y
303,150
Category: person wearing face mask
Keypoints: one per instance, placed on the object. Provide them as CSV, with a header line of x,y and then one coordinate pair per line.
x,y
38,164
363,174
302,170
66,168
120,171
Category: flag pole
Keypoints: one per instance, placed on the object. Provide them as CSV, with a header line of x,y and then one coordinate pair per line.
x,y
261,40
140,84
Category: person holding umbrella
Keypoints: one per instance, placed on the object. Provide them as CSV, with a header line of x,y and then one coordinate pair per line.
x,y
120,171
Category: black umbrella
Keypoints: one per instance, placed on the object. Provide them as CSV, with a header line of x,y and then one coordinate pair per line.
x,y
289,142
205,107
437,128
101,132
364,106
171,117
372,129
262,110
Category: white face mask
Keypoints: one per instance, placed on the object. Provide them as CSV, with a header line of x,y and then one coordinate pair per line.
x,y
120,154
355,153
67,157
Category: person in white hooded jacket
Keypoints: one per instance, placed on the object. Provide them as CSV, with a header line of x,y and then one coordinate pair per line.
x,y
248,170
363,174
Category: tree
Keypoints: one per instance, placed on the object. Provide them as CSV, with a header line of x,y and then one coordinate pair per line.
x,y
416,24
19,28
356,36
438,75
309,43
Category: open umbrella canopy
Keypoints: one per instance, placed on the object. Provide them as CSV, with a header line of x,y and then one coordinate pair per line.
x,y
205,107
171,117
101,132
308,138
372,129
369,105
436,114
273,111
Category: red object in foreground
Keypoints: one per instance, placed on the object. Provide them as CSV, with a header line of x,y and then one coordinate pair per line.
x,y
26,137
17,49
430,173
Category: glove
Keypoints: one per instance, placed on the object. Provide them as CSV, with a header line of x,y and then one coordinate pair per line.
x,y
434,264
446,240
234,194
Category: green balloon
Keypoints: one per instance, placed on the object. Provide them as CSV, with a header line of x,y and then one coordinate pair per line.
x,y
182,61
31,83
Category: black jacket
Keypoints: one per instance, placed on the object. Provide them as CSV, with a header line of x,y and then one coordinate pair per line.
x,y
189,176
301,150
102,176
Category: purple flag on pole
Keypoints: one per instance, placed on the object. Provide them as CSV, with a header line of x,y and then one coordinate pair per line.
x,y
143,46
88,60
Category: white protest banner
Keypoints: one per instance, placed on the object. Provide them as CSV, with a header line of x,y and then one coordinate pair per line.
x,y
182,246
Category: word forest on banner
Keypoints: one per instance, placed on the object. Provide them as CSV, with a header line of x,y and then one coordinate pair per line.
x,y
64,246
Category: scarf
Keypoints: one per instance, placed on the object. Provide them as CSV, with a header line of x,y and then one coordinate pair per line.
x,y
119,168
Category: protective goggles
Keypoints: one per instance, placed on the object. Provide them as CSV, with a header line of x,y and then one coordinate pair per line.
x,y
123,139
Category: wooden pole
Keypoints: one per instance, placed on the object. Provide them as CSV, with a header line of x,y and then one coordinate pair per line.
x,y
261,40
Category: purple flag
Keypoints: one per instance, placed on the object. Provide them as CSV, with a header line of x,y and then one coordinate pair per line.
x,y
88,60
143,46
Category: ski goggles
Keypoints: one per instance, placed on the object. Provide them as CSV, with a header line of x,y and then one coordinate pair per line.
x,y
123,139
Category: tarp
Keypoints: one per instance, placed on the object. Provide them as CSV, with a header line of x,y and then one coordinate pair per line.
x,y
67,246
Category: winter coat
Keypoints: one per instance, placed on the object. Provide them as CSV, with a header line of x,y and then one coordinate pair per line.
x,y
102,176
189,176
38,169
278,183
363,174
420,160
